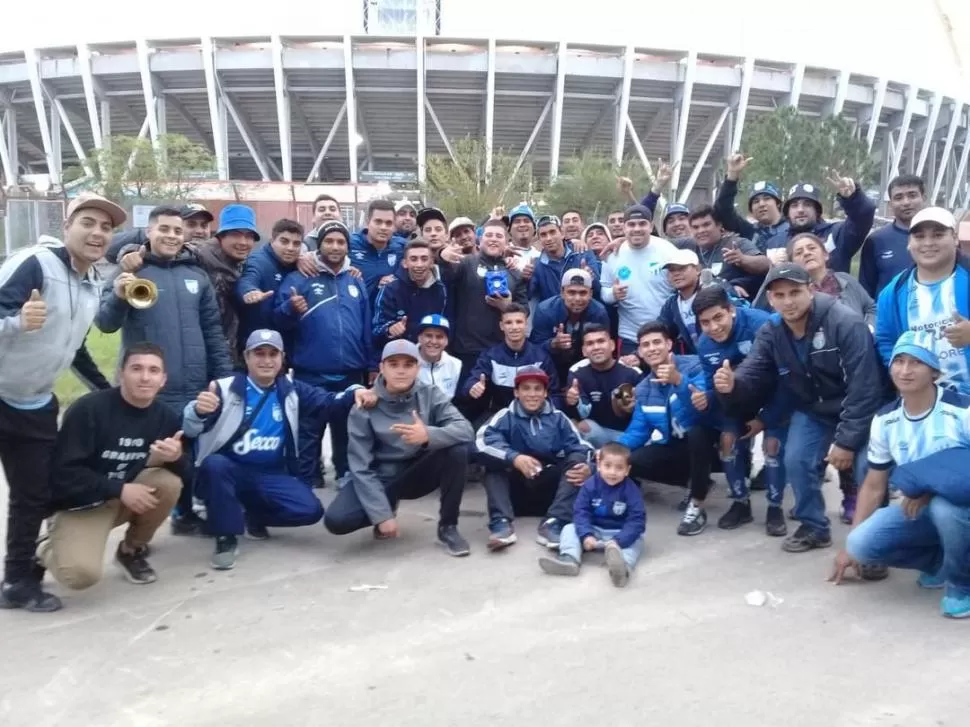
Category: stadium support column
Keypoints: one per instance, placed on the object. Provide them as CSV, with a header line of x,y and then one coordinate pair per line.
x,y
351,104
33,73
528,144
10,174
282,107
930,133
141,46
560,96
331,135
956,112
912,95
797,78
57,109
215,117
422,117
489,108
686,93
87,81
702,160
747,76
879,98
623,109
835,106
441,131
960,178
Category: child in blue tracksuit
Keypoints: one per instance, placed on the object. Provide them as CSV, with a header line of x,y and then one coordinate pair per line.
x,y
609,515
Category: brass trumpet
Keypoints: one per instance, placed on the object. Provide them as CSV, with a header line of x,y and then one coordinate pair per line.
x,y
141,293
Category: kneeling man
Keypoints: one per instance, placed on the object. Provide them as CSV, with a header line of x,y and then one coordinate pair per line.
x,y
246,454
118,461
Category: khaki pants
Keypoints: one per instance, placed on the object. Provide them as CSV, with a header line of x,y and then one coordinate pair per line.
x,y
73,550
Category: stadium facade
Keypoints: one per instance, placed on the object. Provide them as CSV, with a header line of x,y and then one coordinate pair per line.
x,y
401,80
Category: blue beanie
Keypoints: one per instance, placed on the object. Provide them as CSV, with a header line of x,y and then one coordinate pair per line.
x,y
522,210
763,188
675,208
919,345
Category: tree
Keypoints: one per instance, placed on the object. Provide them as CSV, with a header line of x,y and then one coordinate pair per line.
x,y
462,189
130,167
787,148
587,183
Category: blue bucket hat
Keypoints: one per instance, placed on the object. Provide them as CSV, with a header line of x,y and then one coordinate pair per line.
x,y
237,217
760,188
918,345
522,210
675,208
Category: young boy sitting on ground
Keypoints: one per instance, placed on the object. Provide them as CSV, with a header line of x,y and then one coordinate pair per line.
x,y
608,515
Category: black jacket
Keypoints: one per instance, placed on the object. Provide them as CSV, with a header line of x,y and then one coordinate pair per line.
x,y
841,381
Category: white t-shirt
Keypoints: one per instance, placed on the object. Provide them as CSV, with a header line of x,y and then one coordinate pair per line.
x,y
930,308
686,308
896,438
642,271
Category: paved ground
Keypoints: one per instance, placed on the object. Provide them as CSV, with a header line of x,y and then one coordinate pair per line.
x,y
487,639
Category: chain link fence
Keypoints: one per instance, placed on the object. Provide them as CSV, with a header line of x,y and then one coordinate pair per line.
x,y
26,220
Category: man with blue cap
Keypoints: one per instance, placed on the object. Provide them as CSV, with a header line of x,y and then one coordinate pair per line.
x,y
920,444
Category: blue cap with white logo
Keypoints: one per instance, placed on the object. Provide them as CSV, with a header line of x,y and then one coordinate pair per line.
x,y
435,320
264,337
767,188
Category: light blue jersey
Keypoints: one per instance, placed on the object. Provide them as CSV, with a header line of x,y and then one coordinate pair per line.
x,y
896,438
262,444
930,308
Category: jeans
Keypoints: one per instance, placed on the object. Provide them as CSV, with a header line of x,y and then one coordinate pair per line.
x,y
311,435
809,439
737,461
937,542
571,545
509,493
598,435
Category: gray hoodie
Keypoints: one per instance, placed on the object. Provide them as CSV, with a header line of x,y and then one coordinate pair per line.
x,y
376,454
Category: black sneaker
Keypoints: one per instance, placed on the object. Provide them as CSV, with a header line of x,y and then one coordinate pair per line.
x,y
454,543
775,524
549,531
255,531
694,520
135,567
684,502
757,483
189,524
224,557
805,539
559,565
29,596
737,515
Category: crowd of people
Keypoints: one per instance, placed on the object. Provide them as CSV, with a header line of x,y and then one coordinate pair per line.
x,y
559,363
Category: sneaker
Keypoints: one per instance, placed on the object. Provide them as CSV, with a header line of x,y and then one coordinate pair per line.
x,y
847,512
930,582
775,524
757,483
955,603
254,531
737,515
560,565
190,524
29,596
549,531
501,534
874,572
805,539
694,520
135,567
224,557
454,543
619,571
685,502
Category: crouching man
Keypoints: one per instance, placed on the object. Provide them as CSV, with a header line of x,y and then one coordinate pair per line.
x,y
246,454
118,461
413,442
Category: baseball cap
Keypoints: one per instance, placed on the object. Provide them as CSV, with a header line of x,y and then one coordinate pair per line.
x,y
674,208
404,204
431,213
460,222
577,276
940,216
116,214
533,373
919,345
435,320
194,209
637,212
400,347
682,257
788,271
548,220
264,337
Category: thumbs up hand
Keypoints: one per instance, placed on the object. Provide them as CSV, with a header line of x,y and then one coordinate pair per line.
x,y
724,378
562,340
667,373
572,393
298,302
958,332
478,388
33,313
163,451
398,329
698,398
207,402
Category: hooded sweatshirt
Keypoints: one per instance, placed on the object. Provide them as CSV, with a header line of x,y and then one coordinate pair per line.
x,y
224,273
376,455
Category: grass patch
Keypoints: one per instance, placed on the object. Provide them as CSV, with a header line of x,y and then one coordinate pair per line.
x,y
104,349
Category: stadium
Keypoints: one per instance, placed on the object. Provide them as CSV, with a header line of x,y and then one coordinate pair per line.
x,y
385,83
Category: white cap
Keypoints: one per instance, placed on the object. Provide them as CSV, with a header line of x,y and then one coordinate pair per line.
x,y
402,203
577,276
934,214
683,257
460,222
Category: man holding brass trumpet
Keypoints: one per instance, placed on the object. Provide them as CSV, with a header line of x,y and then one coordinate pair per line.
x,y
173,305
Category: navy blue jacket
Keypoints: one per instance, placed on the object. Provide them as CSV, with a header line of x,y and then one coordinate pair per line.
x,y
596,392
884,256
402,297
499,365
552,313
833,373
765,237
664,411
610,507
546,281
844,238
547,435
264,271
333,338
374,264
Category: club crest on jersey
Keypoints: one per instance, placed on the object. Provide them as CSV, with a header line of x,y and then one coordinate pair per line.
x,y
392,260
192,286
619,507
277,413
818,340
744,347
353,291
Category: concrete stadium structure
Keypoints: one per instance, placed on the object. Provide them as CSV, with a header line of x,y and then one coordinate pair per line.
x,y
348,107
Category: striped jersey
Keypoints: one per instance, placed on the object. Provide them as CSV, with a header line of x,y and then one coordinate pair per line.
x,y
930,308
898,438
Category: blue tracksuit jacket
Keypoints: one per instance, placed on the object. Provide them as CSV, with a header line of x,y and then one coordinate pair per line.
x,y
546,279
844,238
664,411
333,337
402,297
884,256
374,264
500,364
610,507
264,271
549,314
547,435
